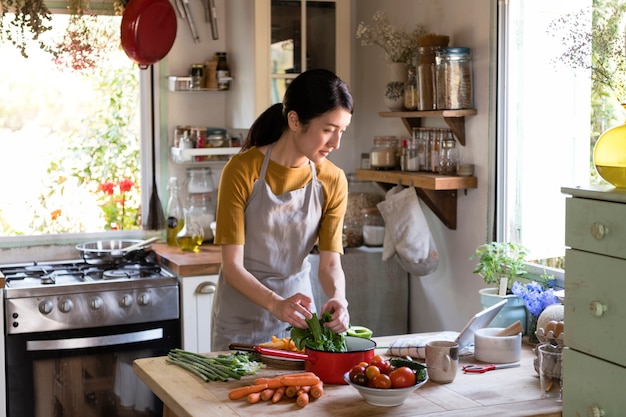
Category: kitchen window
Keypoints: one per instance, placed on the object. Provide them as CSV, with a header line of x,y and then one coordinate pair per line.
x,y
70,141
544,133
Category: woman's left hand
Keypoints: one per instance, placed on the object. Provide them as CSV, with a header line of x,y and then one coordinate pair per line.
x,y
339,313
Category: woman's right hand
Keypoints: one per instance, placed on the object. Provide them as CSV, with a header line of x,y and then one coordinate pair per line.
x,y
294,310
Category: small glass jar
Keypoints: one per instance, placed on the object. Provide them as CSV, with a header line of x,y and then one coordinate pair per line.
x,y
448,158
200,180
352,235
384,154
410,91
373,227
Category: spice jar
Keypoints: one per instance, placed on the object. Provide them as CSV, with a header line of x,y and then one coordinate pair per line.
x,y
448,158
373,227
454,79
384,154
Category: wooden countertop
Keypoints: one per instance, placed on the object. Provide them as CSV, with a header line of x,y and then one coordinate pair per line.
x,y
512,392
205,262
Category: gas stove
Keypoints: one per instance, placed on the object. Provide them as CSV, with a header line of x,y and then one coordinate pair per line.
x,y
62,295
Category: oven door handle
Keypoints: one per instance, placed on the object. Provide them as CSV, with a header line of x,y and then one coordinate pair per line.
x,y
97,341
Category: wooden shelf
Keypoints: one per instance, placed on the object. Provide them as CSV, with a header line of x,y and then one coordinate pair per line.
x,y
455,119
439,192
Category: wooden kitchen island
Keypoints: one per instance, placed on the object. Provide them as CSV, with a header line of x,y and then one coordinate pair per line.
x,y
507,392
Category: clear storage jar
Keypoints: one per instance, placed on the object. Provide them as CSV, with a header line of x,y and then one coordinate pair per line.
x,y
384,154
199,180
454,79
202,209
373,227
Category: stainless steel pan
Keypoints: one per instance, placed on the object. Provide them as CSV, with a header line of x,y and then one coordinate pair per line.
x,y
111,251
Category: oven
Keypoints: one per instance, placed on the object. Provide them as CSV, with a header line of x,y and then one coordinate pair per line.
x,y
73,329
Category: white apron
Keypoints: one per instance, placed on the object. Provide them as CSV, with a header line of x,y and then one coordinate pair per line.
x,y
280,232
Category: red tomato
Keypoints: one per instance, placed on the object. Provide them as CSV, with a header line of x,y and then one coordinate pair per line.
x,y
382,364
402,377
356,369
360,379
372,372
382,381
364,364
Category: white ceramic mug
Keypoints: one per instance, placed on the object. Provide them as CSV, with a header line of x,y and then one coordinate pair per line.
x,y
442,360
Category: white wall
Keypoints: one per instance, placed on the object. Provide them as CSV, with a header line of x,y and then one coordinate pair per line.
x,y
447,298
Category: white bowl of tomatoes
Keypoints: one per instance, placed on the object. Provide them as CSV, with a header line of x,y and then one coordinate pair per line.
x,y
386,382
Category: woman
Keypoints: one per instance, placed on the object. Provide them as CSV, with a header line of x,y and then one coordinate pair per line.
x,y
277,199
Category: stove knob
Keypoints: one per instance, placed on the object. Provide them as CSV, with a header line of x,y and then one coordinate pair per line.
x,y
144,299
45,307
126,300
66,305
96,303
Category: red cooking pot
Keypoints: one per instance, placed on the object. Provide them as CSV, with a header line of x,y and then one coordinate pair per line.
x,y
328,366
148,30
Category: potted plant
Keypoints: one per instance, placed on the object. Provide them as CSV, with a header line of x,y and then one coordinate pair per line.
x,y
500,264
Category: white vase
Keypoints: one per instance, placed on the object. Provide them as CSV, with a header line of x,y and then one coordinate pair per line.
x,y
394,88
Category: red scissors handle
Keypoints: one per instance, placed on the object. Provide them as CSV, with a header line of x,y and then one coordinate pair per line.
x,y
480,369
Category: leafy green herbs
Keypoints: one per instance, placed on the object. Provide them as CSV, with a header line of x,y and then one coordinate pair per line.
x,y
317,336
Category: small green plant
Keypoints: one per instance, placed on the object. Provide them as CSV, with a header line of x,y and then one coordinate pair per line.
x,y
500,260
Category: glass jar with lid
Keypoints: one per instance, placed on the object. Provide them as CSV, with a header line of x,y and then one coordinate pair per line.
x,y
373,227
454,79
384,154
199,180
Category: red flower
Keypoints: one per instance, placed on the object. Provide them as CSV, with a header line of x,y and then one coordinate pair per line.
x,y
126,184
107,187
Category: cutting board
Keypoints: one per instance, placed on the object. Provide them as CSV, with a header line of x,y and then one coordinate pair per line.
x,y
206,261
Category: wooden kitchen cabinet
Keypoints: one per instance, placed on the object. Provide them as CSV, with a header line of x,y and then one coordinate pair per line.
x,y
197,294
594,360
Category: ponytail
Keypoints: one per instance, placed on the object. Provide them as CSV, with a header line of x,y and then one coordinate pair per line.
x,y
267,128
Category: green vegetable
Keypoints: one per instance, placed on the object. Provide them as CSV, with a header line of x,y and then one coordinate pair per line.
x,y
219,368
318,337
418,368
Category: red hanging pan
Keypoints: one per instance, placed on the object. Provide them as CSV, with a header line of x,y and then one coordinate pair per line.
x,y
148,30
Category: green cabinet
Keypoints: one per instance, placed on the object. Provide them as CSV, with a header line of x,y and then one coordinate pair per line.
x,y
594,360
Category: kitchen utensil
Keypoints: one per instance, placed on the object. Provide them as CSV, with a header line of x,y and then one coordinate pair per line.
x,y
481,369
384,397
156,217
189,18
148,30
511,330
490,348
138,245
107,251
328,366
213,19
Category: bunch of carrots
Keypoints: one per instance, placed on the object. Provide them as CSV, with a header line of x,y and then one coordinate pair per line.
x,y
283,343
302,386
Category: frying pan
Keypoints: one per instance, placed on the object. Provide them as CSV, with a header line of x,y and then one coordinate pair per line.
x,y
328,366
148,30
111,251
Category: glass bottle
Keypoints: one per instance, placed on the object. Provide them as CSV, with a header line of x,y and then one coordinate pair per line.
x,y
223,72
410,90
404,155
448,158
190,237
435,149
426,77
175,214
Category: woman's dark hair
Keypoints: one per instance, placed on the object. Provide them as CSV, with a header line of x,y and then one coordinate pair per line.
x,y
310,95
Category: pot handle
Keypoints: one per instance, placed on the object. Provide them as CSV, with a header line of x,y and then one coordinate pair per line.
x,y
273,352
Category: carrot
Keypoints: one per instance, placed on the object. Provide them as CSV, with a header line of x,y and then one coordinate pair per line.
x,y
303,399
317,390
254,397
305,388
275,382
278,394
241,392
300,380
291,391
267,394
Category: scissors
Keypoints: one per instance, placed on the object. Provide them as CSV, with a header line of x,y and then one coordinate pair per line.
x,y
481,369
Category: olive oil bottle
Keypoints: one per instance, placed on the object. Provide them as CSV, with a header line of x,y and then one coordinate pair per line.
x,y
175,214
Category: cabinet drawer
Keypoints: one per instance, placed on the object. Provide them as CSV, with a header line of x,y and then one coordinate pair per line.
x,y
595,311
596,226
589,382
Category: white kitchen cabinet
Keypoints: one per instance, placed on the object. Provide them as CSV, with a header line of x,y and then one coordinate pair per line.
x,y
197,295
254,38
594,360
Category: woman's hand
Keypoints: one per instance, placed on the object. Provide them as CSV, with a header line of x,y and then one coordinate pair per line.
x,y
294,310
339,313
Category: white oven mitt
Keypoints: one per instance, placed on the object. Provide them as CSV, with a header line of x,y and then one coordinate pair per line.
x,y
407,233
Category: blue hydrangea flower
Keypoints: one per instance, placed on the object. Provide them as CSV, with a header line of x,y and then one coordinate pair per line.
x,y
536,297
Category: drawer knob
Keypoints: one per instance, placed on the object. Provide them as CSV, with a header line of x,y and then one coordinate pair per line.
x,y
594,411
598,230
597,309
